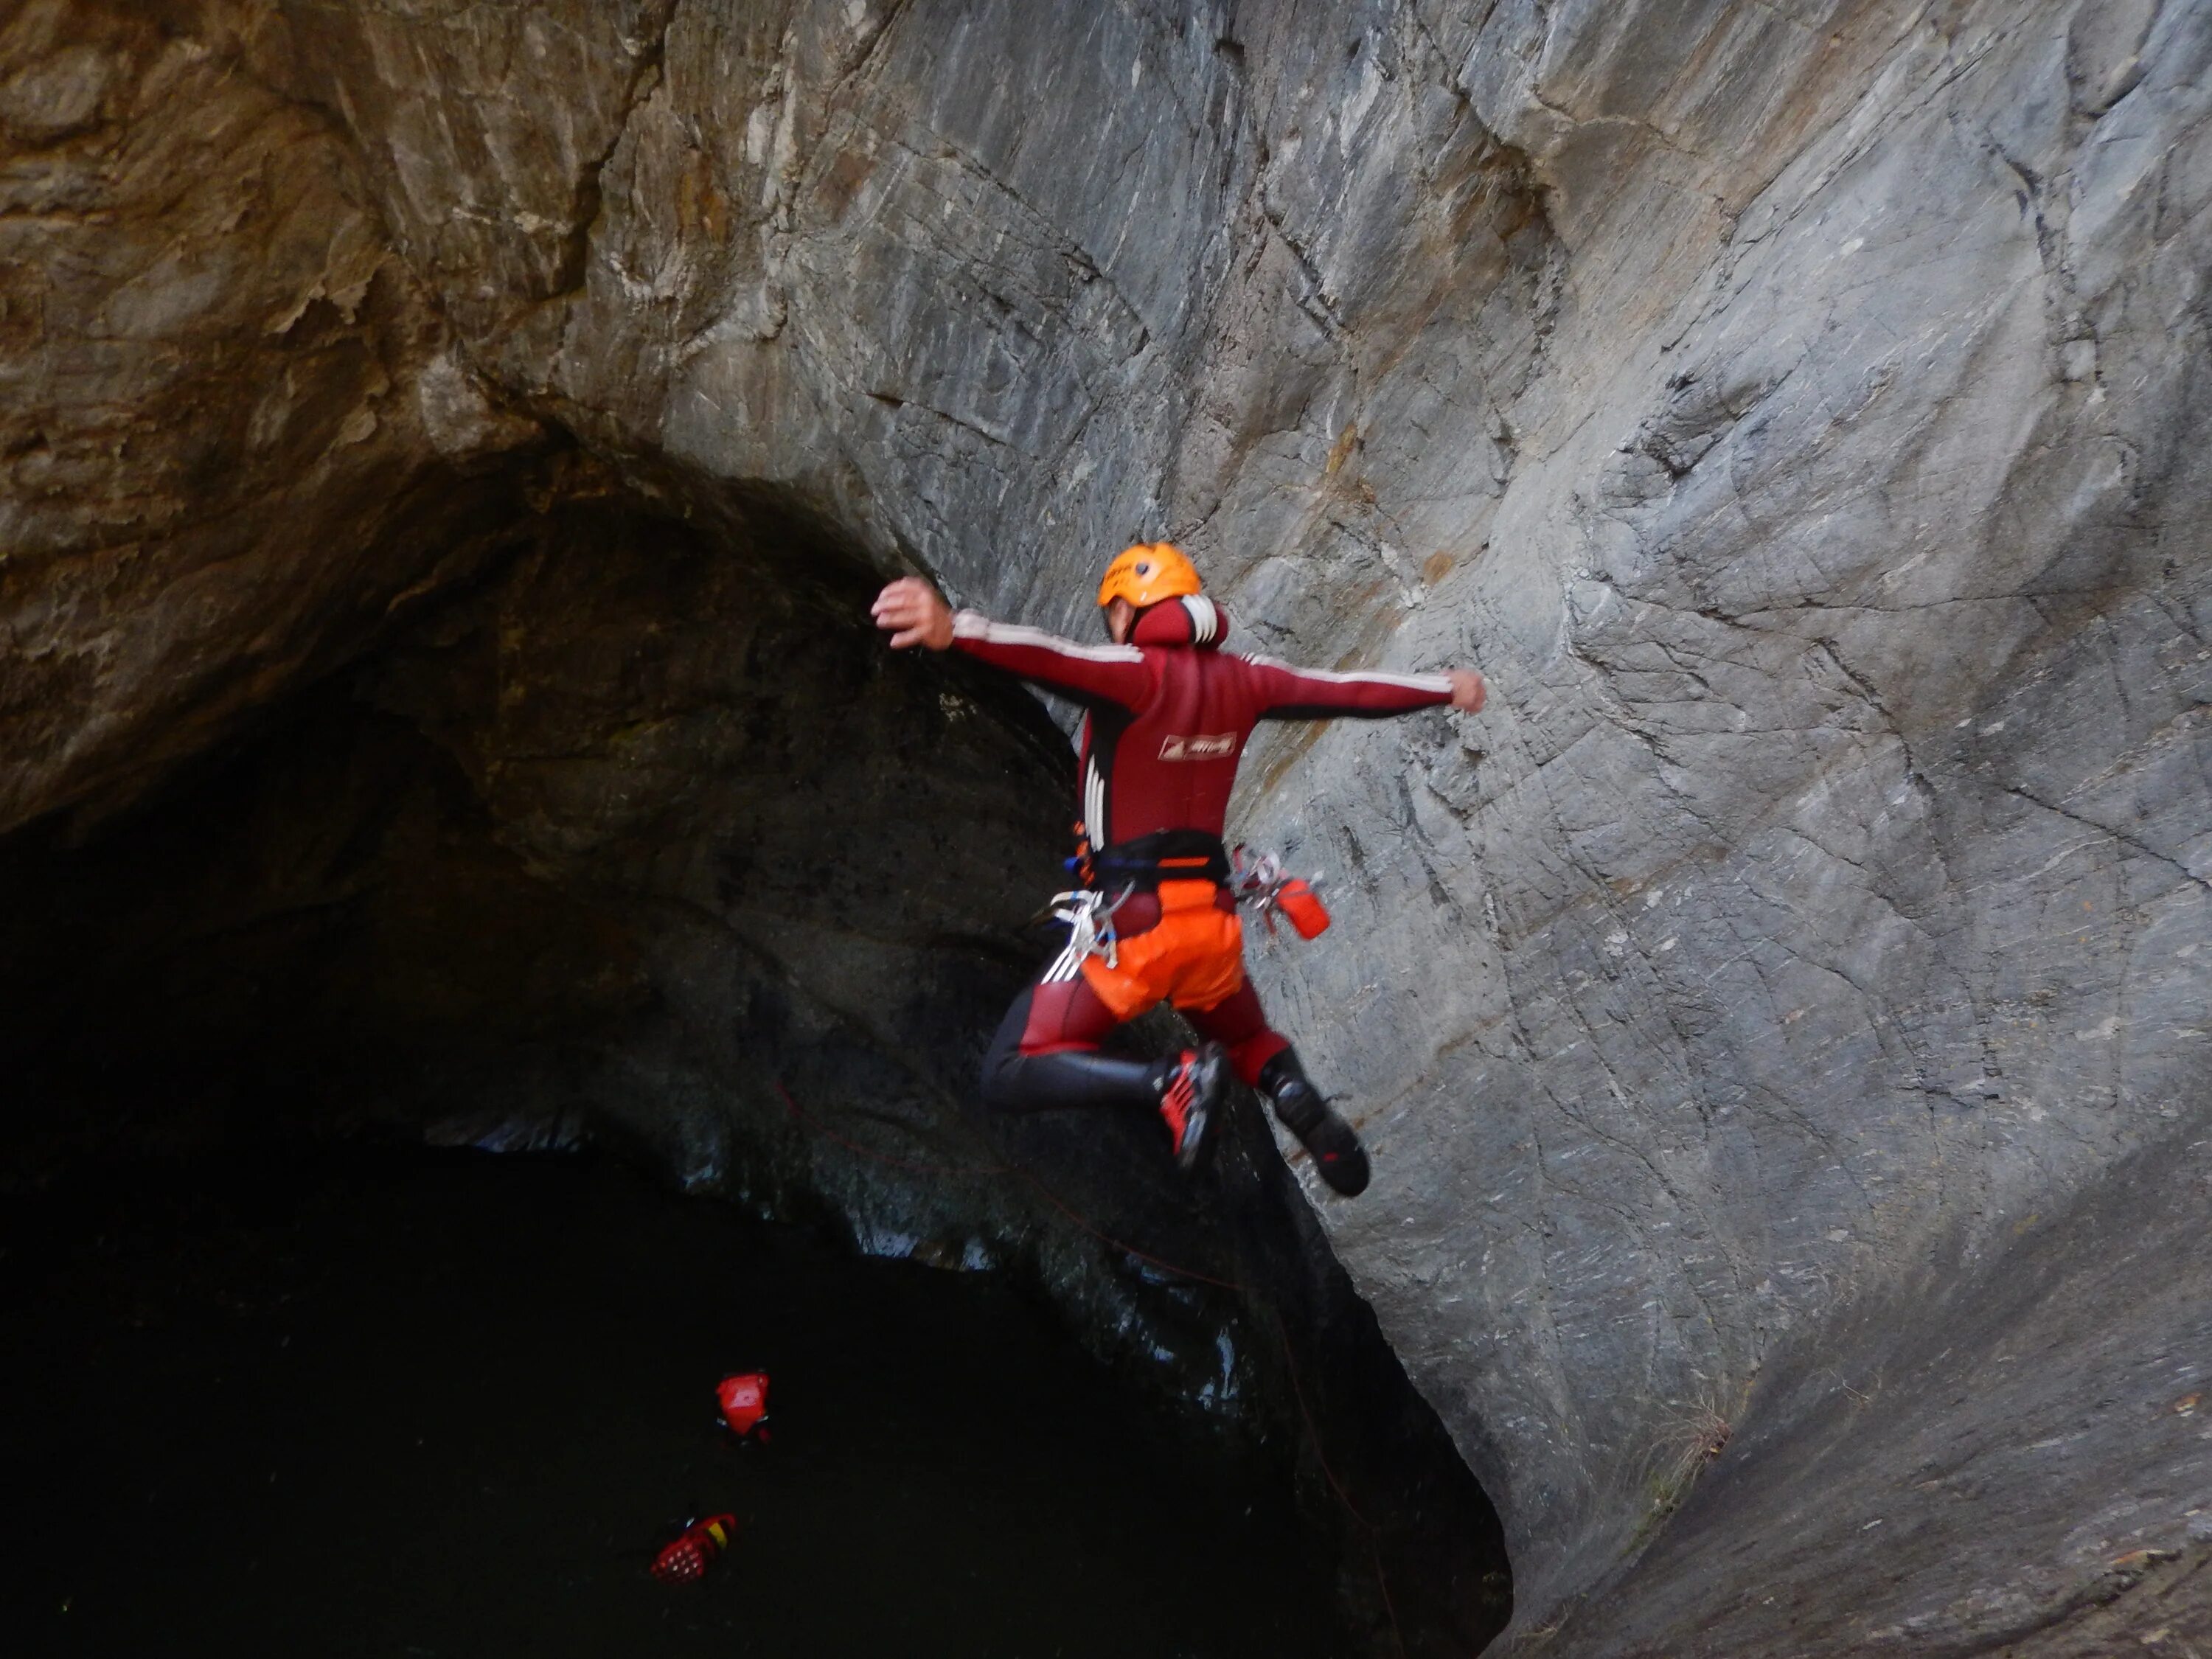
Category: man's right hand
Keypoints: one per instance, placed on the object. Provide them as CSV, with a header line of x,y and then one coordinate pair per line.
x,y
913,613
1468,691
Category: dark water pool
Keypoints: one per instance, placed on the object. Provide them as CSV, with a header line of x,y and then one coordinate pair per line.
x,y
447,1405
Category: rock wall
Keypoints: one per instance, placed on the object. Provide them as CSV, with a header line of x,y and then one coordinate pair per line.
x,y
1792,408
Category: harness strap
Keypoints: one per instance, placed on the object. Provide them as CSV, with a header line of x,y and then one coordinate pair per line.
x,y
1165,855
1089,917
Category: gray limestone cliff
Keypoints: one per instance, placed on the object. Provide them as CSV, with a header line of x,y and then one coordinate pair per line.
x,y
1779,1020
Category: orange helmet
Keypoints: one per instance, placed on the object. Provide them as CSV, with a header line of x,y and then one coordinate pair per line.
x,y
1148,573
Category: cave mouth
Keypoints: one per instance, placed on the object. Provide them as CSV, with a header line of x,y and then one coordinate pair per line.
x,y
629,838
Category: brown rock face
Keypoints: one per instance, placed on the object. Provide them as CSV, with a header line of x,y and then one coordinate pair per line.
x,y
232,438
1778,1019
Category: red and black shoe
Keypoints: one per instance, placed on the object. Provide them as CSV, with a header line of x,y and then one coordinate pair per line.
x,y
1192,1088
1333,1143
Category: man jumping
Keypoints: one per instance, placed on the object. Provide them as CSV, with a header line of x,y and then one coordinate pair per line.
x,y
1167,713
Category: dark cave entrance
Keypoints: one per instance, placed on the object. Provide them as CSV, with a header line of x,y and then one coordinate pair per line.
x,y
628,841
640,806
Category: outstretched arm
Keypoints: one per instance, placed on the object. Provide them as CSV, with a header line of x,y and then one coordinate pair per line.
x,y
1301,694
913,613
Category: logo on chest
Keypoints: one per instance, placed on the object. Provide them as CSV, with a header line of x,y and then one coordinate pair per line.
x,y
1200,746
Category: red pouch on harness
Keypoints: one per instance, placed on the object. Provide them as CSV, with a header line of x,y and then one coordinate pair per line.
x,y
1303,906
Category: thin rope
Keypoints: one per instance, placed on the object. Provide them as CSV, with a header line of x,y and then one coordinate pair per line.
x,y
808,1120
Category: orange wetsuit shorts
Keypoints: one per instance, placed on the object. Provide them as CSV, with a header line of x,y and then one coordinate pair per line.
x,y
1193,956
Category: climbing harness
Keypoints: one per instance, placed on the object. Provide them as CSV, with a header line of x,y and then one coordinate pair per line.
x,y
1260,881
1148,860
1083,911
1087,916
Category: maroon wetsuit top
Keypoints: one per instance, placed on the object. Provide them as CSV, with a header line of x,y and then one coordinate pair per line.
x,y
1168,714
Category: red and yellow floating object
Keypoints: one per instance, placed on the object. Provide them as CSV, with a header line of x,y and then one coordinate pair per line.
x,y
685,1558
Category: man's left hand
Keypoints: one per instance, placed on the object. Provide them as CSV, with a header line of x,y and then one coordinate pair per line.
x,y
1468,692
913,613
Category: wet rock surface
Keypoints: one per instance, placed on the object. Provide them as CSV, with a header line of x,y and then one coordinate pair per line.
x,y
1796,973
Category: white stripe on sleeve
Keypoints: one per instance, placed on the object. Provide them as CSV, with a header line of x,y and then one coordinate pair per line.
x,y
1411,682
974,625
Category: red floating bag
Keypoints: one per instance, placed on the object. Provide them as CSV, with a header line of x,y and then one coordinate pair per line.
x,y
743,1402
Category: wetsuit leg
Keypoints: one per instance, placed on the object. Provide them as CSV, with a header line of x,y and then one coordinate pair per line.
x,y
1265,1059
1239,1025
1046,1054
